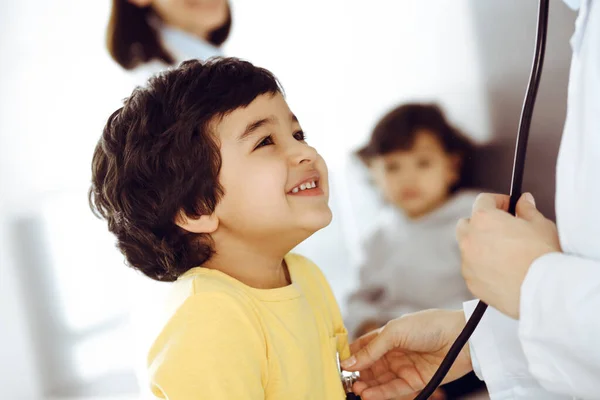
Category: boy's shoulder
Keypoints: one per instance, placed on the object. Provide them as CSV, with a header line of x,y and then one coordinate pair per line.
x,y
204,311
206,292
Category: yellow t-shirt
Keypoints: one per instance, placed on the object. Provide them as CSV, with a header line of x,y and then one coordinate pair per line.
x,y
225,340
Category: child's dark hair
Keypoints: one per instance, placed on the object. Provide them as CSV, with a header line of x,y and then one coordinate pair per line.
x,y
398,129
158,156
131,40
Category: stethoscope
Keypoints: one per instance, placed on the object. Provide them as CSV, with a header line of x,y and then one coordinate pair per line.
x,y
348,378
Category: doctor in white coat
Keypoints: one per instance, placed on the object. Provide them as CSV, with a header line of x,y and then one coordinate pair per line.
x,y
540,339
149,36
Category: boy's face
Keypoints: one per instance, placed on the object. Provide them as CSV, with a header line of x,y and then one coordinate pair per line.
x,y
416,180
275,184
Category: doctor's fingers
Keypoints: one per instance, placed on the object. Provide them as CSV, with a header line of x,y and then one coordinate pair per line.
x,y
527,210
490,201
383,340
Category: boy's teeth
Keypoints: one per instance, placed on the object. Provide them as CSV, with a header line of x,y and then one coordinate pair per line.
x,y
304,186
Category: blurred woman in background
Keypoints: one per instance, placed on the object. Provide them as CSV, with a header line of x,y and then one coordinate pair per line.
x,y
148,36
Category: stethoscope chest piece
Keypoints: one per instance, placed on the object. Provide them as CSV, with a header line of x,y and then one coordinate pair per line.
x,y
347,378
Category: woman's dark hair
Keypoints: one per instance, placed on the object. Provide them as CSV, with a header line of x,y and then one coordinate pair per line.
x,y
131,40
398,129
158,157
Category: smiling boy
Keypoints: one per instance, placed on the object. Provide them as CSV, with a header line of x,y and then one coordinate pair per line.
x,y
206,179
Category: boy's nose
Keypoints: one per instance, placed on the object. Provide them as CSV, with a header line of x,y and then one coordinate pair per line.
x,y
302,153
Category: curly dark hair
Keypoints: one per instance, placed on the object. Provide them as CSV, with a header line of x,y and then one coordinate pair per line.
x,y
158,157
398,129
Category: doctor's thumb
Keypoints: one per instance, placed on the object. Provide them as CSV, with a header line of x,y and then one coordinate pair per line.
x,y
526,208
371,352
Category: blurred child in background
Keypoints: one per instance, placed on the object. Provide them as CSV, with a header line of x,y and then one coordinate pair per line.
x,y
410,260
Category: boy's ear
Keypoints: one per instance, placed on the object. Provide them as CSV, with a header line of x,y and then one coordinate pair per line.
x,y
203,224
140,3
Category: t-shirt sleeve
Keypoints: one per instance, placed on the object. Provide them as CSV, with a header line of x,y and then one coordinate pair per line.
x,y
212,348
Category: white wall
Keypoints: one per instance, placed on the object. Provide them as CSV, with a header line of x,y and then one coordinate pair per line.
x,y
57,87
19,375
505,33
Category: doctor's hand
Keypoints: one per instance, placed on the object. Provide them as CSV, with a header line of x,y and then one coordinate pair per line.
x,y
497,248
400,358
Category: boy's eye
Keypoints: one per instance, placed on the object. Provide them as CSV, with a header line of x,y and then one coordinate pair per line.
x,y
264,142
300,136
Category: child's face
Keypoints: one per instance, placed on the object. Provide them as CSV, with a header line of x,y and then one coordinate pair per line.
x,y
416,180
275,184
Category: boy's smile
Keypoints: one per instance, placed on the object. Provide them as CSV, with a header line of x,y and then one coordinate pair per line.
x,y
307,187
